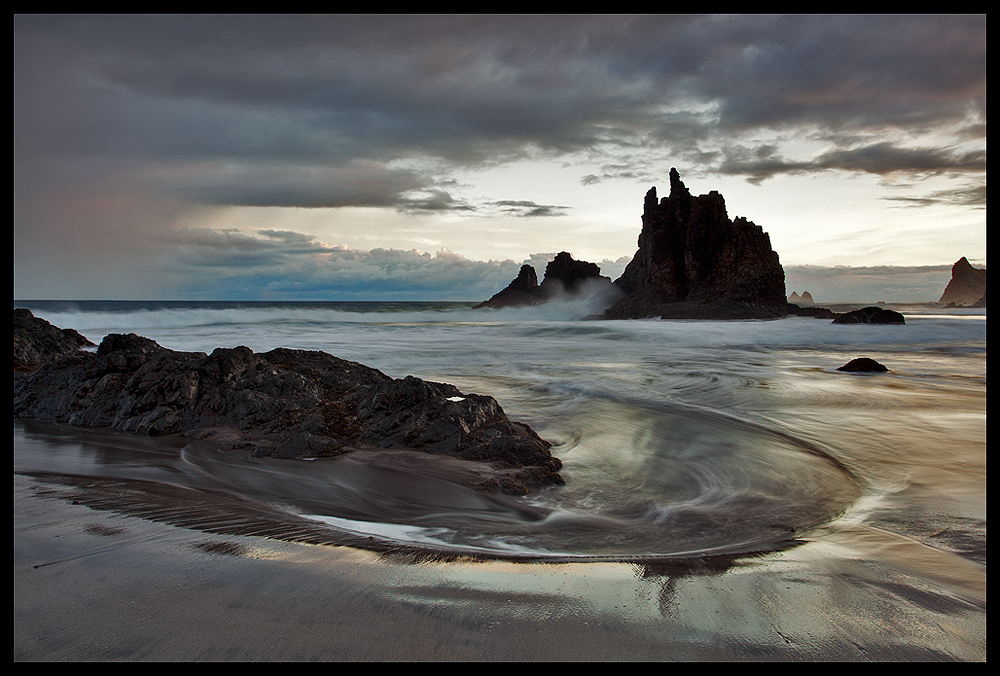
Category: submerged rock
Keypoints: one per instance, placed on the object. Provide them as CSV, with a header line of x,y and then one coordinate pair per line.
x,y
863,364
870,315
565,279
812,311
282,403
693,262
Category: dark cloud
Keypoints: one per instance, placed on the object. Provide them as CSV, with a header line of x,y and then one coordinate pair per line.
x,y
971,196
845,71
297,94
528,209
622,172
121,122
883,158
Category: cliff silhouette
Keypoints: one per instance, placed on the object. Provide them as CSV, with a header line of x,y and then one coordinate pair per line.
x,y
565,279
693,262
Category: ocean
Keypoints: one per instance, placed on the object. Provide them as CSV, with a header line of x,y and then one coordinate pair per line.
x,y
683,443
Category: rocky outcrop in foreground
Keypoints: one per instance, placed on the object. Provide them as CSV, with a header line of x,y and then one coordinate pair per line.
x,y
35,340
282,403
565,279
967,286
694,262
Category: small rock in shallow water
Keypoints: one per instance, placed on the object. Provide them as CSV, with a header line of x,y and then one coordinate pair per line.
x,y
863,364
870,315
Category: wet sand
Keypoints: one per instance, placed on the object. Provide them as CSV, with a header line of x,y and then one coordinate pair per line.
x,y
93,584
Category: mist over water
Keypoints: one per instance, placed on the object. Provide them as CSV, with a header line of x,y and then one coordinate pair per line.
x,y
678,438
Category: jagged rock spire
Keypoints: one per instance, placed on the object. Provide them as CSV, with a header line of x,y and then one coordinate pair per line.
x,y
694,262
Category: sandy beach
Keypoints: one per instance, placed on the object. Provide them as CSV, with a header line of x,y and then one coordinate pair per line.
x,y
96,585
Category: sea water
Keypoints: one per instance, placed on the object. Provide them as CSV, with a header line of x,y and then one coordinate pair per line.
x,y
678,439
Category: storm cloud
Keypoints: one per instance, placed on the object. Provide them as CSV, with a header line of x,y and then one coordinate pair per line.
x,y
152,115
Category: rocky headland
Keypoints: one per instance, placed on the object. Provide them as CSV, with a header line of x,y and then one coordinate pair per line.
x,y
694,262
565,279
281,403
967,287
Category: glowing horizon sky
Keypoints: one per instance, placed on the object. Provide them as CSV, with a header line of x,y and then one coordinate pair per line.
x,y
427,157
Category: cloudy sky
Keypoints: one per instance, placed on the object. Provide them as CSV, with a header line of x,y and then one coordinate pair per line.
x,y
428,157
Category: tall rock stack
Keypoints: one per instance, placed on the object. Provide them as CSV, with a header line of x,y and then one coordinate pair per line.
x,y
967,286
694,262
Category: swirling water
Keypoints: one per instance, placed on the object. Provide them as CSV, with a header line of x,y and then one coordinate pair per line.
x,y
679,438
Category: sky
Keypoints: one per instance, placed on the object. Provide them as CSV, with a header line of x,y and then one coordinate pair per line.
x,y
427,157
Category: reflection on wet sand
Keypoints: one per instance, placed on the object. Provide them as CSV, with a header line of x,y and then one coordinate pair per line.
x,y
120,587
665,482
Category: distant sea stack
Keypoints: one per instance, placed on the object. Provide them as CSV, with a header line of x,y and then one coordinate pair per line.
x,y
805,299
565,279
522,291
967,286
694,262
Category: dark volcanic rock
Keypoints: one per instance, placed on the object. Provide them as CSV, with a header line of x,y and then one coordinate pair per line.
x,y
967,286
569,278
863,364
36,340
565,279
694,262
282,403
812,311
522,291
870,315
